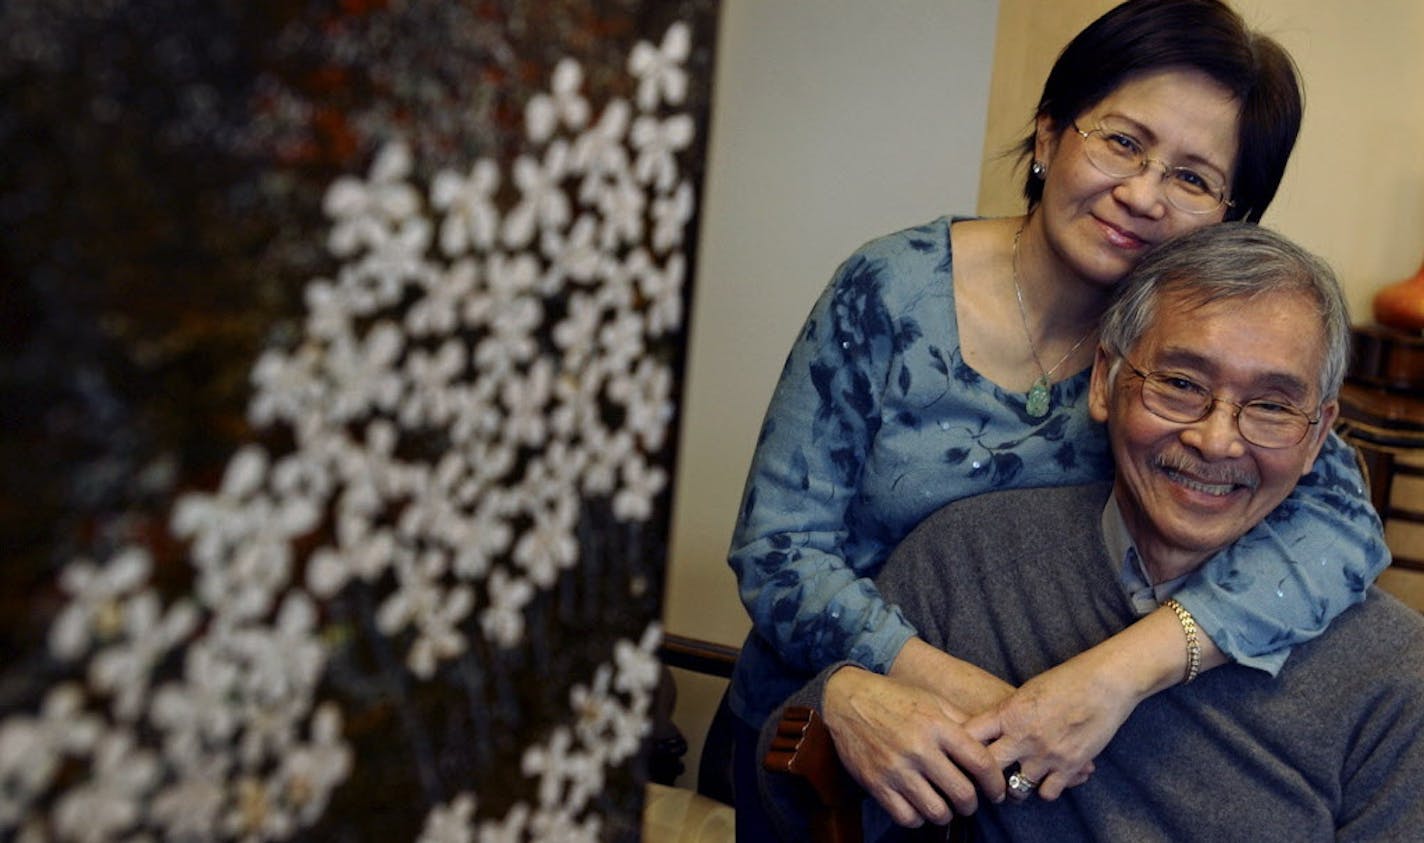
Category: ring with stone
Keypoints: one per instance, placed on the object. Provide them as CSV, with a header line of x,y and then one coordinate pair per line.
x,y
1021,786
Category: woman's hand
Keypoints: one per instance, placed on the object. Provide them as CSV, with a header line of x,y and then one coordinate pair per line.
x,y
1058,721
1055,724
906,746
967,687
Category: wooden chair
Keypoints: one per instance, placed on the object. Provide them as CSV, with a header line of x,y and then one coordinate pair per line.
x,y
1382,416
714,776
803,748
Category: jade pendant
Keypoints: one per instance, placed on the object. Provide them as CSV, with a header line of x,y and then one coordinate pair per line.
x,y
1037,404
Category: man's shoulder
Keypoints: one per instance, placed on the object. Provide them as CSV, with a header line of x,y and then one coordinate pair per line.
x,y
1020,522
1033,505
1378,639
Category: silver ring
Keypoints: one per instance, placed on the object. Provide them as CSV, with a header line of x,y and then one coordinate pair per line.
x,y
1021,786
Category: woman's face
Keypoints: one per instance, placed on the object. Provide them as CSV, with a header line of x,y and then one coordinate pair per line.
x,y
1097,226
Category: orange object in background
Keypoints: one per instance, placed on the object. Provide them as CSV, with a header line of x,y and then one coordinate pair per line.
x,y
1401,305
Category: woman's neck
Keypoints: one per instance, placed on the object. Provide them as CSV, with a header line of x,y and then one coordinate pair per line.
x,y
1060,305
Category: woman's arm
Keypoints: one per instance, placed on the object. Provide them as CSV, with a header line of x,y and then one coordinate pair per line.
x,y
1284,581
789,544
1059,720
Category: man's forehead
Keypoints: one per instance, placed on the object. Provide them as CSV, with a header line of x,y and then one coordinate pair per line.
x,y
1193,331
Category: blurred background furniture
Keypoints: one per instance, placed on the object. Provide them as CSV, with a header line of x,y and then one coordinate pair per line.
x,y
704,814
1382,415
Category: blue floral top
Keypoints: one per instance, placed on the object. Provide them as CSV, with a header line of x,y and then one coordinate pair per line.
x,y
877,422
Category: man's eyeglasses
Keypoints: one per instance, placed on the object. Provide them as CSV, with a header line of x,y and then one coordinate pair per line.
x,y
1262,422
1115,153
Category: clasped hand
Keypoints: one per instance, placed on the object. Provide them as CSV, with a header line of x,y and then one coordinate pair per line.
x,y
909,740
907,747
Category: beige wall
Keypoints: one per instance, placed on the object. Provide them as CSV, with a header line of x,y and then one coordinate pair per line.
x,y
834,121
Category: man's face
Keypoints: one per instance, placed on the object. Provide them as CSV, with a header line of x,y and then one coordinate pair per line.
x,y
1188,489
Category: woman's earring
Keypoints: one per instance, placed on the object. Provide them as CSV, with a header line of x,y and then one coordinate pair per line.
x,y
1038,169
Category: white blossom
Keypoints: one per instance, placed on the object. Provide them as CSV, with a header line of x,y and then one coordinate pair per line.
x,y
608,451
124,668
33,748
646,397
525,399
286,386
471,219
548,762
599,153
362,375
546,111
503,620
486,535
198,711
190,807
658,142
421,601
593,707
622,340
548,548
637,664
430,379
622,201
439,310
577,333
311,771
671,214
573,256
329,310
96,595
110,802
510,343
451,822
511,829
662,287
659,69
543,202
367,212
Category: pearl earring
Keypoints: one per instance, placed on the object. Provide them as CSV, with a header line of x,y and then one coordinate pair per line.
x,y
1038,169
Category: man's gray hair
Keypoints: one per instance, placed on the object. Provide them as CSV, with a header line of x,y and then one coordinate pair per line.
x,y
1226,261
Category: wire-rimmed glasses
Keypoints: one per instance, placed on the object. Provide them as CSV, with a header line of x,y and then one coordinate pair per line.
x,y
1261,421
1116,153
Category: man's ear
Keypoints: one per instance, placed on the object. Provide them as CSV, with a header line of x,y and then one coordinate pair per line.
x,y
1045,139
1100,387
1328,413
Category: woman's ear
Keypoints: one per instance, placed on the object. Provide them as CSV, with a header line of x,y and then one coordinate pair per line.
x,y
1045,139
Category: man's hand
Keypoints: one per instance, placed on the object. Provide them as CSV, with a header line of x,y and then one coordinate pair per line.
x,y
906,746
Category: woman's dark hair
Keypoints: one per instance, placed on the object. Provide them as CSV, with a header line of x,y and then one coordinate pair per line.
x,y
1140,36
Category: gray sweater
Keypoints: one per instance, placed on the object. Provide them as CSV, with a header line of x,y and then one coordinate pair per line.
x,y
1330,749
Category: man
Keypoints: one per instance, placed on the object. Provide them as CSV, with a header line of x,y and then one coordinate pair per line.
x,y
1217,375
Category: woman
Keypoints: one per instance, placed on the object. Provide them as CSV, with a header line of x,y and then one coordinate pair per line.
x,y
952,359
